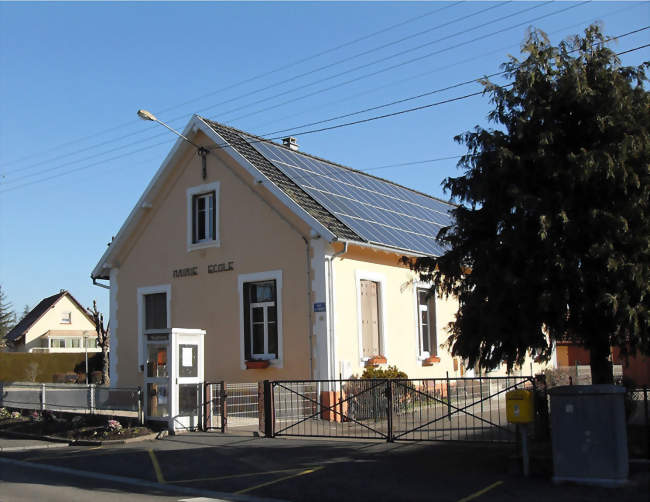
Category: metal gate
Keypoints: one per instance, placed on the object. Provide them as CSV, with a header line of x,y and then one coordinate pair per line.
x,y
229,405
432,409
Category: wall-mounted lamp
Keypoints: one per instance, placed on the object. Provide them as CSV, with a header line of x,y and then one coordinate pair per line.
x,y
203,152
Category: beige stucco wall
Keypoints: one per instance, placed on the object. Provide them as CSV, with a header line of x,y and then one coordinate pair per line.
x,y
51,320
252,235
400,318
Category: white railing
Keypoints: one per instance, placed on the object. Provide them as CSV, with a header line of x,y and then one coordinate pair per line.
x,y
72,398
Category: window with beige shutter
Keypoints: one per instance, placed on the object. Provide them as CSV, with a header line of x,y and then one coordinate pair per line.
x,y
370,318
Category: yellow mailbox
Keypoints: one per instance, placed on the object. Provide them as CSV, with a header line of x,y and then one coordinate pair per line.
x,y
519,406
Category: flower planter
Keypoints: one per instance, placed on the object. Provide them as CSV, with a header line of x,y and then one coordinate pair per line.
x,y
430,361
257,365
375,361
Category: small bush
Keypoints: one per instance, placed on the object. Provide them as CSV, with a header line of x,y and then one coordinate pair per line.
x,y
390,372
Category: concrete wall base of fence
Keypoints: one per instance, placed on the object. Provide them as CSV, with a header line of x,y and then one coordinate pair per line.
x,y
332,409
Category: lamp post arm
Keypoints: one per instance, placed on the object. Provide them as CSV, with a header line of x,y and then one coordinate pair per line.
x,y
177,133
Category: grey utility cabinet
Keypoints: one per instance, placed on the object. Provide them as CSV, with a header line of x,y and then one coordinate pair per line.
x,y
589,435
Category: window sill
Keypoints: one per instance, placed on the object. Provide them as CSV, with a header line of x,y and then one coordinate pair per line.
x,y
258,364
203,245
430,361
375,361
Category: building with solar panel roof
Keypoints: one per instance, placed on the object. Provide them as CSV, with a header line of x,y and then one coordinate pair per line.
x,y
249,260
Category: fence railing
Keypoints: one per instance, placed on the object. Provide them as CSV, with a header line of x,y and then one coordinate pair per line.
x,y
72,398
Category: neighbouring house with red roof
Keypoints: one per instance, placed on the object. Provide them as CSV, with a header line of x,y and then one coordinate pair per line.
x,y
59,323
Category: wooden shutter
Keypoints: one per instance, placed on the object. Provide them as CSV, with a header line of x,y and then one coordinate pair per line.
x,y
369,318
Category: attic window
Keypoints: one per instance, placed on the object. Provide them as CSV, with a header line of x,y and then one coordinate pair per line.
x,y
203,216
66,317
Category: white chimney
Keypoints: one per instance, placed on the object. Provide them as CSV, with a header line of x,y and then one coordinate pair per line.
x,y
291,143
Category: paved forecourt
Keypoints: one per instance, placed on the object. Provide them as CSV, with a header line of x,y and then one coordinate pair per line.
x,y
245,468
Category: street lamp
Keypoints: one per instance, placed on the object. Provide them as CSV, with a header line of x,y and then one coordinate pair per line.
x,y
147,115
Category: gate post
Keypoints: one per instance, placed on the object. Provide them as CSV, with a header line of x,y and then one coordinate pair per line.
x,y
389,414
207,399
223,401
268,409
449,397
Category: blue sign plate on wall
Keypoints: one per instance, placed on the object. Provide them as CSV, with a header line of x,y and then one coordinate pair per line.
x,y
319,307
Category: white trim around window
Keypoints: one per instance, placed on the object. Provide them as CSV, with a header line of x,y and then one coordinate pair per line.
x,y
433,319
198,190
380,279
148,290
275,275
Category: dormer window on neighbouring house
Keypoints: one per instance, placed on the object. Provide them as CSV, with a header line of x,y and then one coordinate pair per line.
x,y
203,216
66,317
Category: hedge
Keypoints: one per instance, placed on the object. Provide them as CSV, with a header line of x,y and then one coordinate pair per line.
x,y
39,367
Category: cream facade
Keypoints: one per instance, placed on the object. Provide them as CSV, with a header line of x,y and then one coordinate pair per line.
x,y
57,324
280,291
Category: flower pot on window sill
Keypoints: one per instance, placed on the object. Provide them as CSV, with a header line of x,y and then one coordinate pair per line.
x,y
257,364
430,361
375,361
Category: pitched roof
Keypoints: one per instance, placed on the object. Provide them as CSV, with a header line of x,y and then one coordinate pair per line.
x,y
354,207
352,204
37,312
236,139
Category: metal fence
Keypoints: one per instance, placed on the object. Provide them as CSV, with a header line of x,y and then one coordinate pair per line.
x,y
444,409
72,398
231,405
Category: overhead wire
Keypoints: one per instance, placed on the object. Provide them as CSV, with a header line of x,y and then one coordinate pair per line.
x,y
202,110
250,79
392,67
313,131
369,119
365,92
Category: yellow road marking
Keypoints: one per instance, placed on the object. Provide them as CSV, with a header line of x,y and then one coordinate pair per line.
x,y
231,476
481,492
156,467
307,471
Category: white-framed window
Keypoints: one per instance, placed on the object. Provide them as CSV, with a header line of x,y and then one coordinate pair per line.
x,y
66,317
203,216
73,343
427,335
260,298
57,343
371,315
154,314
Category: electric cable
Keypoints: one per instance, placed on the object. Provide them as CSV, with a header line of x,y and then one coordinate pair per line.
x,y
304,133
202,110
251,79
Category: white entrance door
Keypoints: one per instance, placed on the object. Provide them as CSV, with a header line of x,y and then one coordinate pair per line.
x,y
187,379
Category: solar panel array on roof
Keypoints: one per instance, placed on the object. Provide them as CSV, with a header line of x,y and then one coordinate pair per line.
x,y
379,211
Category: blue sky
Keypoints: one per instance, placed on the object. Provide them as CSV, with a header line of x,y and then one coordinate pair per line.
x,y
74,158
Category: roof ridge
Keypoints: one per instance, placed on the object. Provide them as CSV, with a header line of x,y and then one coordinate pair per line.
x,y
321,159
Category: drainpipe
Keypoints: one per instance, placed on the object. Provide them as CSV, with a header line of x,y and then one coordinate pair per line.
x,y
330,309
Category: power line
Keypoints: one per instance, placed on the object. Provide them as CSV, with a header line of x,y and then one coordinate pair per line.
x,y
313,131
436,70
380,60
184,116
428,93
410,61
251,79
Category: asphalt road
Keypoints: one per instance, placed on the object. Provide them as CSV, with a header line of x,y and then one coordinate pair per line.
x,y
229,467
